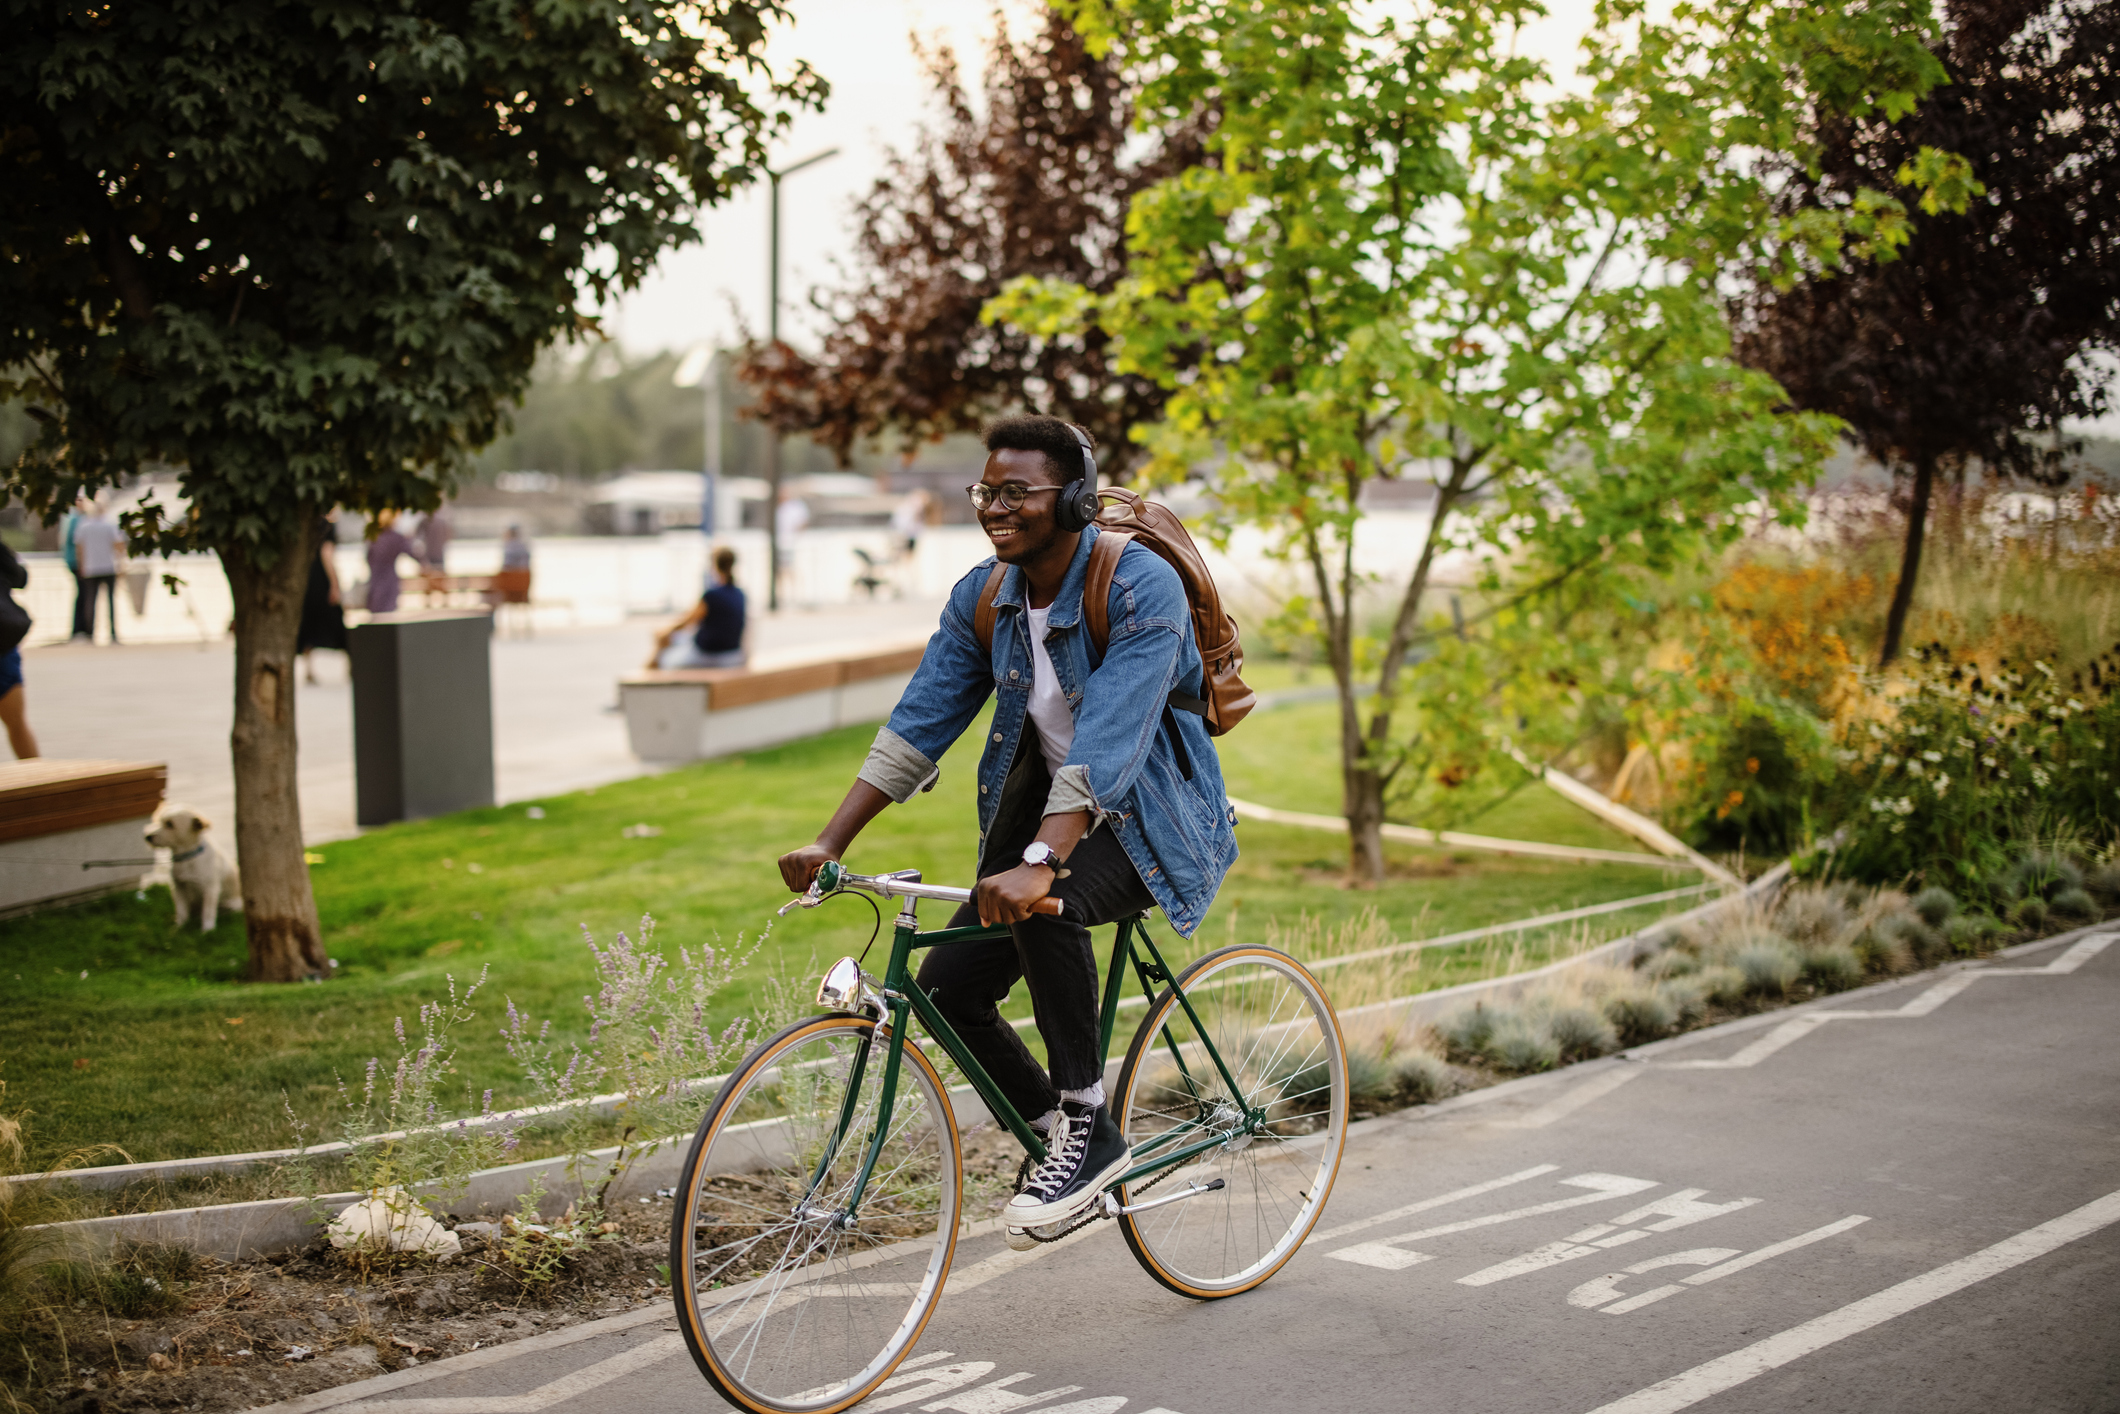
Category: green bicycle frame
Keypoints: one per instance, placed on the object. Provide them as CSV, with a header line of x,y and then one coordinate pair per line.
x,y
906,998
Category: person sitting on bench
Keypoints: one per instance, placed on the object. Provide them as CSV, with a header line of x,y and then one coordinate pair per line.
x,y
711,636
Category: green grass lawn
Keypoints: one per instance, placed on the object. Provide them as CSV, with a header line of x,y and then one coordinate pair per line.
x,y
115,1028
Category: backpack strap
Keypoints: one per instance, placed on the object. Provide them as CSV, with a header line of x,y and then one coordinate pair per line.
x,y
983,616
1097,587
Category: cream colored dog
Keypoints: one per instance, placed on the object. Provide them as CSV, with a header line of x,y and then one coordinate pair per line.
x,y
199,874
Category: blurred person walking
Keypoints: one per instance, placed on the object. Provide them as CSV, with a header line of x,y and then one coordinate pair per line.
x,y
908,519
73,565
14,627
435,534
711,636
385,543
790,518
323,604
99,550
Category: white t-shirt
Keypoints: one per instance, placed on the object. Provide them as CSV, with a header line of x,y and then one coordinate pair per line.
x,y
96,545
1056,725
790,519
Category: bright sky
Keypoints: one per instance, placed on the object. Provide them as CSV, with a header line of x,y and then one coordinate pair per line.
x,y
864,47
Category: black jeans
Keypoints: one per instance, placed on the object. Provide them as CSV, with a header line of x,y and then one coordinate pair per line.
x,y
87,587
1052,955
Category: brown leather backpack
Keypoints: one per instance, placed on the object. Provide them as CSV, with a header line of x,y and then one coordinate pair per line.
x,y
1128,517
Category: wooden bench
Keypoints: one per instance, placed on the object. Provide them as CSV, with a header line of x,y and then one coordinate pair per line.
x,y
689,714
497,591
57,816
466,590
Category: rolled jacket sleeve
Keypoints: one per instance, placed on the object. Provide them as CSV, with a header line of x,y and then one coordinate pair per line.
x,y
1071,793
897,769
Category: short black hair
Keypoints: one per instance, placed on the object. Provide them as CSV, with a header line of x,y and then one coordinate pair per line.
x,y
725,561
1029,432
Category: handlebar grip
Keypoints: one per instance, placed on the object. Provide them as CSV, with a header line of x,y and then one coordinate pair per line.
x,y
1049,905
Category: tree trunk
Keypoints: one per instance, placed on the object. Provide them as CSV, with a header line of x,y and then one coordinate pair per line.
x,y
1895,621
1362,799
1362,794
279,911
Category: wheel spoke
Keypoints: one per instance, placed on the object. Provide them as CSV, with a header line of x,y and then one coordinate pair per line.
x,y
814,1313
1273,1029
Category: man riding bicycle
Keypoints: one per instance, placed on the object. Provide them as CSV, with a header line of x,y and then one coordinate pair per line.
x,y
1084,794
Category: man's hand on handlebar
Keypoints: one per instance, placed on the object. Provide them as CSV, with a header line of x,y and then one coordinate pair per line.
x,y
799,866
1011,897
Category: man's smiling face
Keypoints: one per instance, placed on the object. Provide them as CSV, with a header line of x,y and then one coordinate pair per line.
x,y
1030,529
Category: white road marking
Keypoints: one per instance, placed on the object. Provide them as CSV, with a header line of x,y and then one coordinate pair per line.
x,y
1689,1387
1803,1239
1594,1089
1455,1195
566,1387
996,1397
1598,1290
1786,1033
1796,1028
1930,999
1007,1260
1680,1209
2080,952
1386,1254
912,1387
1750,1259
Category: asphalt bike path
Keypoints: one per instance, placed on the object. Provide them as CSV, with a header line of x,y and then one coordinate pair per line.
x,y
1903,1198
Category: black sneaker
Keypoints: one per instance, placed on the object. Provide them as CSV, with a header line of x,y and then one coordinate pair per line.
x,y
1084,1153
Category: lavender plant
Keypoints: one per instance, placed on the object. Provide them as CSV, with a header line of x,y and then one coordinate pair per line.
x,y
651,1045
417,1126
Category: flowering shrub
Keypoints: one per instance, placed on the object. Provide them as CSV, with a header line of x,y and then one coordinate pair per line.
x,y
412,1128
1953,769
1793,617
649,1041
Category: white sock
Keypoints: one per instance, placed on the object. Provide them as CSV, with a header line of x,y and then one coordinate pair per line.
x,y
1043,1124
1092,1097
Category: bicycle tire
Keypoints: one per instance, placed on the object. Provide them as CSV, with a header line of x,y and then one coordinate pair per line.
x,y
1276,1030
784,1311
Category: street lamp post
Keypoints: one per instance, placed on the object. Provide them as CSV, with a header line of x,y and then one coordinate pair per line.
x,y
773,178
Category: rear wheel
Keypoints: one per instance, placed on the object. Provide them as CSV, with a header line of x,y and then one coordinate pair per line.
x,y
786,1304
1275,1138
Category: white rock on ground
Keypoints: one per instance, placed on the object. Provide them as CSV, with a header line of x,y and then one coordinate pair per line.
x,y
392,1221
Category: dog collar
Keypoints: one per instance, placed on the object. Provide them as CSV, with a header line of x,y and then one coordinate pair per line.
x,y
193,853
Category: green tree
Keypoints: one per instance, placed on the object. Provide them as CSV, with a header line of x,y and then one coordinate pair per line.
x,y
309,251
1401,262
1970,345
1035,180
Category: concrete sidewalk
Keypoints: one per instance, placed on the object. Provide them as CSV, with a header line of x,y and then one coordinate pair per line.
x,y
552,730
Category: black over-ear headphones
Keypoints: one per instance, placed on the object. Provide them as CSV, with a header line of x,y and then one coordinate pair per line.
x,y
1078,499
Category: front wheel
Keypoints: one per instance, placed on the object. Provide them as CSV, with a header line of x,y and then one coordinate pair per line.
x,y
790,1303
1273,1139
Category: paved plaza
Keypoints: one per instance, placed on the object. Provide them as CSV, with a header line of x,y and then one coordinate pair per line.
x,y
554,698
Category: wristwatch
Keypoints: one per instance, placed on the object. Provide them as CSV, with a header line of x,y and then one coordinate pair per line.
x,y
1039,852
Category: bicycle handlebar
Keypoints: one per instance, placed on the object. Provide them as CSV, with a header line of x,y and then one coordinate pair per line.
x,y
834,877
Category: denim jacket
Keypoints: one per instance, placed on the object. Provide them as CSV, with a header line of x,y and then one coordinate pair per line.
x,y
1180,834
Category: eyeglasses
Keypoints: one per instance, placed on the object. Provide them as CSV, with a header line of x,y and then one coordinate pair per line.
x,y
1011,494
